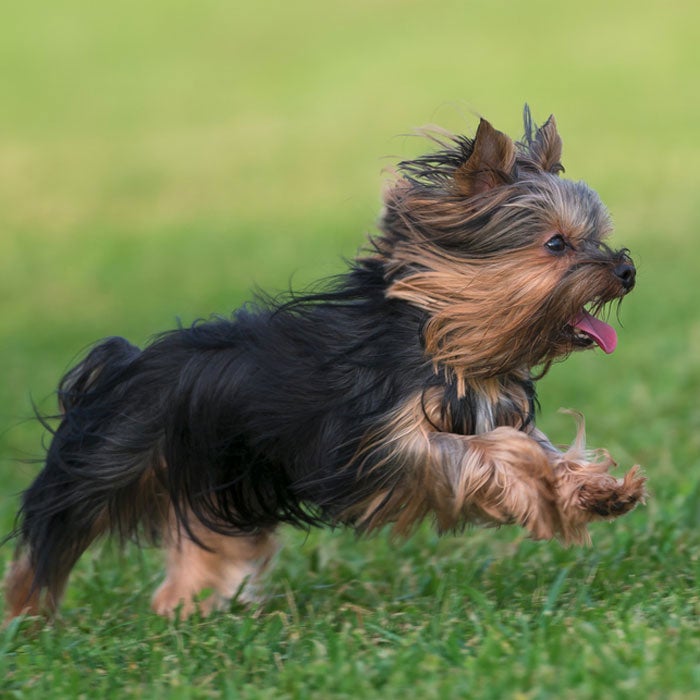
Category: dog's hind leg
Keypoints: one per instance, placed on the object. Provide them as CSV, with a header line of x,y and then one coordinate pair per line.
x,y
34,585
23,596
207,577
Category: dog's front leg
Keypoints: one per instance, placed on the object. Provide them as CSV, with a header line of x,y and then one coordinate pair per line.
x,y
499,477
585,489
504,476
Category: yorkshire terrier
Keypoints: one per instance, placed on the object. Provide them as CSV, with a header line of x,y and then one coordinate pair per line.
x,y
403,391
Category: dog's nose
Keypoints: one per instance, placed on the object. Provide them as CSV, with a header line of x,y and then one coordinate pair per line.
x,y
626,273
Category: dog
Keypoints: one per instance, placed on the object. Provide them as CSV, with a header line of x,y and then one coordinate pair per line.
x,y
401,391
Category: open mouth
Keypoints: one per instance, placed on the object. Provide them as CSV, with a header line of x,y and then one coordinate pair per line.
x,y
590,329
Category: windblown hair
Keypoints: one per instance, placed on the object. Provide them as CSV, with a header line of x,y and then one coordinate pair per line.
x,y
461,230
403,391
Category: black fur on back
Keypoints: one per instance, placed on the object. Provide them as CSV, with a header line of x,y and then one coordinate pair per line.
x,y
244,422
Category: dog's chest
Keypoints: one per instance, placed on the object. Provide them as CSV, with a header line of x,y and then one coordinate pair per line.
x,y
489,404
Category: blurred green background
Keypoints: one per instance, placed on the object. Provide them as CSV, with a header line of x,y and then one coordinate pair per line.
x,y
158,159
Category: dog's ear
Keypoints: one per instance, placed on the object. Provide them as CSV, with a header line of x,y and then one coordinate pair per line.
x,y
545,148
490,163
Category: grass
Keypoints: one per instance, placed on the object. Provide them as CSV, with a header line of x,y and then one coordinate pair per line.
x,y
159,159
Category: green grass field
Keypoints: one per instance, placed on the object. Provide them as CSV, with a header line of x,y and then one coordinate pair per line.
x,y
159,159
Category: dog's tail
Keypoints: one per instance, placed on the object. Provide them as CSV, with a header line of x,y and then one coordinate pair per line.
x,y
104,365
92,479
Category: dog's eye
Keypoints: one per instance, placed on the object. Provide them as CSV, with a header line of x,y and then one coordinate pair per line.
x,y
556,244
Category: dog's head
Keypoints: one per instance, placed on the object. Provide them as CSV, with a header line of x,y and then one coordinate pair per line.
x,y
509,260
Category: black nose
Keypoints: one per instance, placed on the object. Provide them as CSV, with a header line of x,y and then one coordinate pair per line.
x,y
626,273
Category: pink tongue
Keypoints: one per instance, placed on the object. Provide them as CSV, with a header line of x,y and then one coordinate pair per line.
x,y
601,332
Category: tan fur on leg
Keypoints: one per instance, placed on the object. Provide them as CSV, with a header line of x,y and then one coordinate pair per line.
x,y
233,565
585,490
500,476
23,598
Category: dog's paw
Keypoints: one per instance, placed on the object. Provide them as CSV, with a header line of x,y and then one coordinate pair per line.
x,y
587,492
170,601
603,496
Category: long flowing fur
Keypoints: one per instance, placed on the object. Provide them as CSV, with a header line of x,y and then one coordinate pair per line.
x,y
403,391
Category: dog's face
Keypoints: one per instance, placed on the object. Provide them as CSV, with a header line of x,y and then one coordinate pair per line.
x,y
586,274
509,261
554,275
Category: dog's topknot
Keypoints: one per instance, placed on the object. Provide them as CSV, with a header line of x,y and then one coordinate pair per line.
x,y
470,166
